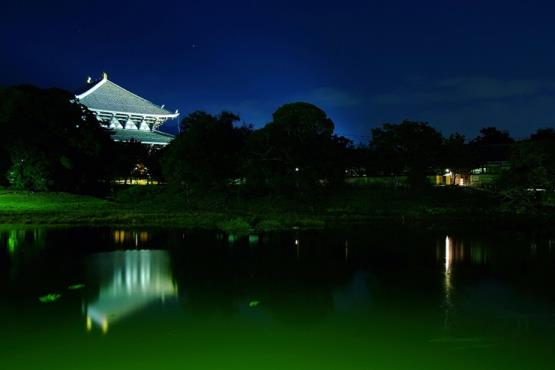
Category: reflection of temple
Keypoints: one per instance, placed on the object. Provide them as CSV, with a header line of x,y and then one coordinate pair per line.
x,y
134,237
129,280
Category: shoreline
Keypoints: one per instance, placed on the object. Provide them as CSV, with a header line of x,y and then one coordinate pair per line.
x,y
375,208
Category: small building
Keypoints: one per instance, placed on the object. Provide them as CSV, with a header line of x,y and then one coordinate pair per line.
x,y
484,175
131,117
450,177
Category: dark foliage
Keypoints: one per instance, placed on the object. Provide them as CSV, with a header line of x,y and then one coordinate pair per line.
x,y
533,162
297,151
492,145
411,148
532,173
492,136
457,155
207,153
50,142
130,161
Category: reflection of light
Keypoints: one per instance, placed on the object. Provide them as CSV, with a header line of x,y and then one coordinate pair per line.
x,y
12,242
104,326
122,236
448,253
447,285
129,281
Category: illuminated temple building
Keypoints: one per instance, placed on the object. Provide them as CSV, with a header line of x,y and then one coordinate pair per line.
x,y
131,117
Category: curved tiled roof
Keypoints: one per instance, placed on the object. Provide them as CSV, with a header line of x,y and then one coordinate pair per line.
x,y
145,137
108,96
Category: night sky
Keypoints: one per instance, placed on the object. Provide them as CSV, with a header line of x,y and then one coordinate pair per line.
x,y
460,65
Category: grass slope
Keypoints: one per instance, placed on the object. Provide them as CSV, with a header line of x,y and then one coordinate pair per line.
x,y
233,212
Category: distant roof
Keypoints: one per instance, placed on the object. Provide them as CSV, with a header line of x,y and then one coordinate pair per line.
x,y
104,95
145,137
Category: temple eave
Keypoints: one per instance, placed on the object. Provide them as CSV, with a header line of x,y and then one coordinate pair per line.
x,y
133,114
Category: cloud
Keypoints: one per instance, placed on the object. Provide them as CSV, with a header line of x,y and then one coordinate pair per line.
x,y
332,97
414,97
466,89
490,88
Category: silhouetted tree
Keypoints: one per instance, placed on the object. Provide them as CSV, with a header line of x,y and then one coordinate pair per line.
x,y
207,152
296,151
129,158
543,134
492,145
411,148
457,155
360,161
52,141
532,167
492,136
533,162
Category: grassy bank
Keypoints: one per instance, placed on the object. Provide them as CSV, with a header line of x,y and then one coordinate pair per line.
x,y
353,205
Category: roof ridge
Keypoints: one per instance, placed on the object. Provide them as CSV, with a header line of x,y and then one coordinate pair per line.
x,y
92,89
108,96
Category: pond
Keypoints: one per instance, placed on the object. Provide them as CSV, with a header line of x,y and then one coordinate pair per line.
x,y
93,298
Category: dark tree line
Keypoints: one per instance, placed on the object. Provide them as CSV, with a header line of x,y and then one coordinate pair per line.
x,y
297,151
416,150
51,142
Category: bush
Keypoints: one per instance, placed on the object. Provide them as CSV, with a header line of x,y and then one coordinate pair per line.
x,y
520,201
62,147
29,171
237,226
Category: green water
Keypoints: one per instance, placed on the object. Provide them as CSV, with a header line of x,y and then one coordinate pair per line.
x,y
366,299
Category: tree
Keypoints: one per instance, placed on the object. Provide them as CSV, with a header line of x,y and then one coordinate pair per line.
x,y
297,151
492,145
128,157
411,148
50,141
533,162
303,121
457,155
207,152
29,170
547,134
492,136
532,167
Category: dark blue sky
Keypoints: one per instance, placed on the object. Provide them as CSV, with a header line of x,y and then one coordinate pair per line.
x,y
459,65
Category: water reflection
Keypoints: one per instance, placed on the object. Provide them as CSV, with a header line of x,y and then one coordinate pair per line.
x,y
14,240
447,283
21,246
129,280
354,296
456,252
126,236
